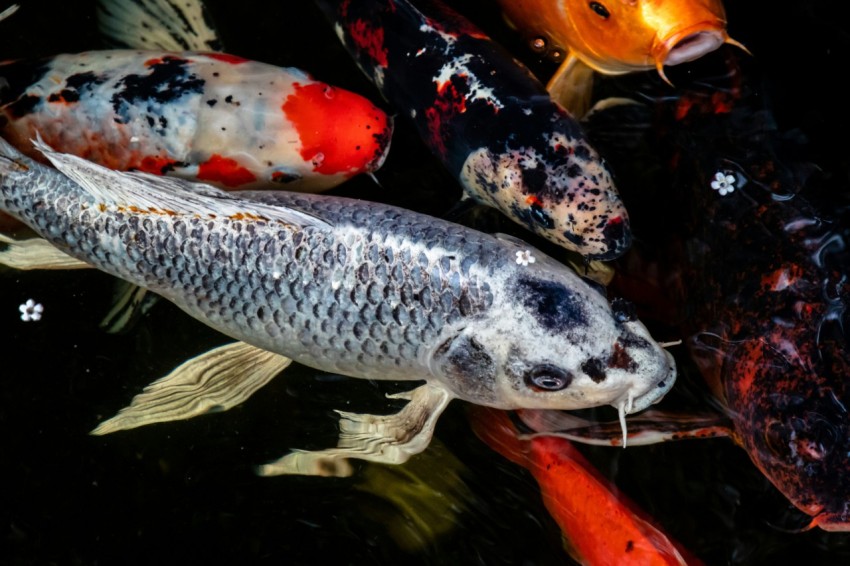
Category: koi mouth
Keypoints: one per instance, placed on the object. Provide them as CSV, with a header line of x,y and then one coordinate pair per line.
x,y
690,44
631,404
831,522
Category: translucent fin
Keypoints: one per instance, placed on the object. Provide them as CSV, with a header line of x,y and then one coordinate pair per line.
x,y
650,427
387,439
8,12
36,253
129,303
158,24
212,382
572,86
168,195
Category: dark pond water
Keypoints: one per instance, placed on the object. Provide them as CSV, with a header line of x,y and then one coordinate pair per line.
x,y
187,491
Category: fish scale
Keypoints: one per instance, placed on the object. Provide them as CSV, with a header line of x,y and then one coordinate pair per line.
x,y
352,287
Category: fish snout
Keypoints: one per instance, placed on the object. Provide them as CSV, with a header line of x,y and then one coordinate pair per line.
x,y
690,45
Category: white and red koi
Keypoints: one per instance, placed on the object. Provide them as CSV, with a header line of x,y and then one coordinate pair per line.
x,y
488,119
214,117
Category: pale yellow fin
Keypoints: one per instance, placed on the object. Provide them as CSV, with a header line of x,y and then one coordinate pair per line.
x,y
387,439
572,86
211,382
36,253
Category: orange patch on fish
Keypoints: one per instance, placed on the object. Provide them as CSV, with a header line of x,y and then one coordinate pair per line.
x,y
227,58
340,132
225,170
155,164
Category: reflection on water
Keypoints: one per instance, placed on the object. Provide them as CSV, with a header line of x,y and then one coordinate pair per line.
x,y
187,490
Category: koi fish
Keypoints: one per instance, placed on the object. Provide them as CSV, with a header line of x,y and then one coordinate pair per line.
x,y
600,524
210,116
351,287
762,257
490,122
615,37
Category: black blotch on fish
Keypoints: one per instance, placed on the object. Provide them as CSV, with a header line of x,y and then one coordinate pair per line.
x,y
169,80
467,362
24,105
17,76
595,370
534,179
553,305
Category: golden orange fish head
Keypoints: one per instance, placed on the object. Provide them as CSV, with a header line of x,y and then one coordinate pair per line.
x,y
620,36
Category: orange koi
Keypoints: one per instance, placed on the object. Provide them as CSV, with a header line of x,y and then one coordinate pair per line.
x,y
615,37
601,525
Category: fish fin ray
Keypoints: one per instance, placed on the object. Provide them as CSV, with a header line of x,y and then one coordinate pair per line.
x,y
386,439
214,381
167,194
572,85
158,24
36,253
129,304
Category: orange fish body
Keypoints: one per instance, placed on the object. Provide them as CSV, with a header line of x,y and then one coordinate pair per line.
x,y
615,37
601,525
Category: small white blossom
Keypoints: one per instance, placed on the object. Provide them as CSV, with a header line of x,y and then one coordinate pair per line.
x,y
524,257
31,310
723,183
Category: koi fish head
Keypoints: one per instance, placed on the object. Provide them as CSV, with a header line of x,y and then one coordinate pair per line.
x,y
554,183
550,341
619,36
341,133
792,418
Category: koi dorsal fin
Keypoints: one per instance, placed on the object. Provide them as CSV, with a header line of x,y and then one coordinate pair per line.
x,y
158,24
169,195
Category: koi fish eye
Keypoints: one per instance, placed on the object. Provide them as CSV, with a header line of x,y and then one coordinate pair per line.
x,y
623,310
600,10
776,438
547,377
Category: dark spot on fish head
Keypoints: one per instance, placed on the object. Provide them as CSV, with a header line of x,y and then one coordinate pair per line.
x,y
540,217
534,179
554,306
467,367
623,310
620,359
595,369
616,238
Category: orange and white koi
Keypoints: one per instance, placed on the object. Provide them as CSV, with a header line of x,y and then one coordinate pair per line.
x,y
214,117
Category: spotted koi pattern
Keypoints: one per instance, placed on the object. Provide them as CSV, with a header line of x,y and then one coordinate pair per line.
x,y
488,119
215,117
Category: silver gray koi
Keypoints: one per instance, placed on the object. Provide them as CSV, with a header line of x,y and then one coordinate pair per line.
x,y
351,287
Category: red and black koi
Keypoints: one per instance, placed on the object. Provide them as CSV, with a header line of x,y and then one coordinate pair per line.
x,y
213,117
488,119
763,256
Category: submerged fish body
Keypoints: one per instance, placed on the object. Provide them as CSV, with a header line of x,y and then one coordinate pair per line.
x,y
213,117
344,286
615,37
764,266
599,523
490,122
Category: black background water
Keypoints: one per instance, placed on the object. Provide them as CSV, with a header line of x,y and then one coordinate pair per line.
x,y
186,491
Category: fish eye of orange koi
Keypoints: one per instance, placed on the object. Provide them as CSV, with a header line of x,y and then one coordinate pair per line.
x,y
600,10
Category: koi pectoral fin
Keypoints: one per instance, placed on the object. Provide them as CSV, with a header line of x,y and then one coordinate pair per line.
x,y
214,381
572,86
36,253
386,439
